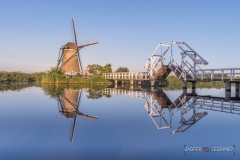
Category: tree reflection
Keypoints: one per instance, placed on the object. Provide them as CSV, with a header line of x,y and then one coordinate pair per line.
x,y
54,91
97,94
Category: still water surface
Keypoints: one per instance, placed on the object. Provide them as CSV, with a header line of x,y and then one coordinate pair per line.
x,y
35,125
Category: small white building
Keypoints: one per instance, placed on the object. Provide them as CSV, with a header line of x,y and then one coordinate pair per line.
x,y
71,73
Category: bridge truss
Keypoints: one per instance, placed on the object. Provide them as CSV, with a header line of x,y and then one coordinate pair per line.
x,y
185,70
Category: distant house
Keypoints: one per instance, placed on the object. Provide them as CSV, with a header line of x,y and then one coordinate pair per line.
x,y
87,73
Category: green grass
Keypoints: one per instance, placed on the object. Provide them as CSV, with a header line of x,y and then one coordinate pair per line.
x,y
55,76
62,79
172,82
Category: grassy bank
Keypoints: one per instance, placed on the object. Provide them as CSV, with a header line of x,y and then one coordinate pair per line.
x,y
55,76
62,79
172,82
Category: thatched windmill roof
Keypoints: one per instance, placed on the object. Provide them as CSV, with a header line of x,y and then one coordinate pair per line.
x,y
70,45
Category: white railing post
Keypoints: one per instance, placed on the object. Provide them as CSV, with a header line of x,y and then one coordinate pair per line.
x,y
222,74
212,72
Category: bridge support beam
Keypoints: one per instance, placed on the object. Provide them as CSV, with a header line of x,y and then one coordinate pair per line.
x,y
227,89
122,83
160,84
139,87
131,87
115,83
184,87
237,90
131,84
152,85
193,87
139,82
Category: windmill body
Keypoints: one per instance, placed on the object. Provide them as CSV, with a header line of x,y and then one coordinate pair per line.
x,y
70,64
69,60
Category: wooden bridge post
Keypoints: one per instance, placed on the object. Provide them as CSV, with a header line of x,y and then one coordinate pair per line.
x,y
184,86
237,90
227,89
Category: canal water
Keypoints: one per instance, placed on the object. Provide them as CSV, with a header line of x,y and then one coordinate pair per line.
x,y
39,124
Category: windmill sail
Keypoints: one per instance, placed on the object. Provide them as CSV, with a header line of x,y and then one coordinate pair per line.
x,y
88,43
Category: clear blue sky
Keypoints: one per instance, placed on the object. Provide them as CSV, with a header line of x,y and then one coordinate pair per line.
x,y
128,31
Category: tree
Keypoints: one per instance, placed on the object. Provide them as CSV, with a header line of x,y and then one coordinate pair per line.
x,y
107,69
98,70
122,69
94,68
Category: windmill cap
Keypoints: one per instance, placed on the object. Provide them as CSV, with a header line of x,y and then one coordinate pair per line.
x,y
71,45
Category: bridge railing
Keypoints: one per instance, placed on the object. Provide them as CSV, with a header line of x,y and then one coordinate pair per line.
x,y
219,74
126,75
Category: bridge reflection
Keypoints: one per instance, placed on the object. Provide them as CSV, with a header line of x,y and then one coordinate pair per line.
x,y
192,107
68,104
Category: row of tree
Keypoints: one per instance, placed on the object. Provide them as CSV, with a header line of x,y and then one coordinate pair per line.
x,y
97,69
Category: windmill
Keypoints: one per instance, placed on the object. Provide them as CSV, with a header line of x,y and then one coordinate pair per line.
x,y
69,60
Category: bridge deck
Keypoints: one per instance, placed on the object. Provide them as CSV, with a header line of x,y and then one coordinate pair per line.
x,y
127,75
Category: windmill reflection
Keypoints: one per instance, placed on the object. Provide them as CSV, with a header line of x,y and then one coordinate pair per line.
x,y
68,104
191,107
